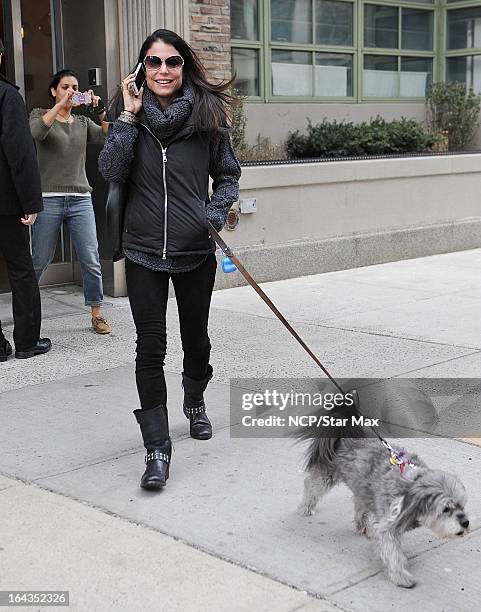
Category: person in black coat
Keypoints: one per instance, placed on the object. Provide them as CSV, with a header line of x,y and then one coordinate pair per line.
x,y
20,202
172,134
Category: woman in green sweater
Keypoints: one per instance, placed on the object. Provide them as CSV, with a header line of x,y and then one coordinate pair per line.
x,y
61,139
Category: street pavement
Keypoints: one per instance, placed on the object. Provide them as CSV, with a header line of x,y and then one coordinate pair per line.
x,y
224,534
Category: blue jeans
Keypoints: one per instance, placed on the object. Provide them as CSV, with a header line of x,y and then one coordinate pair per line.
x,y
78,213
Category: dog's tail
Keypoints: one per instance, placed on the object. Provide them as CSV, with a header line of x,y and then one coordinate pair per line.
x,y
328,428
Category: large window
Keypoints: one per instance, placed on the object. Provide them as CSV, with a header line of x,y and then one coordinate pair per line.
x,y
293,48
333,49
463,45
246,59
327,25
394,31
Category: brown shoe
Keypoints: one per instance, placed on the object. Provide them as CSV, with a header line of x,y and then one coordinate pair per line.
x,y
101,326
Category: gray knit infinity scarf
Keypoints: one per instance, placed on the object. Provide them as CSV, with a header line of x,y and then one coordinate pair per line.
x,y
167,122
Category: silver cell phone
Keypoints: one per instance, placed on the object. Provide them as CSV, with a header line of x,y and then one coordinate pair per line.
x,y
139,79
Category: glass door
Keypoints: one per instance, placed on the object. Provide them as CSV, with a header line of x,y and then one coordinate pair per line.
x,y
38,64
30,48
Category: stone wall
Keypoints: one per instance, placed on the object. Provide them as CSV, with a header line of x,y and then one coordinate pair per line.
x,y
210,35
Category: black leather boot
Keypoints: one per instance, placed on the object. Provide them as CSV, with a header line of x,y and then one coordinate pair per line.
x,y
194,406
156,470
154,426
5,348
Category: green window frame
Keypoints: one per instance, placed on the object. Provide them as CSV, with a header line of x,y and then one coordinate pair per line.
x,y
265,48
468,52
397,53
259,47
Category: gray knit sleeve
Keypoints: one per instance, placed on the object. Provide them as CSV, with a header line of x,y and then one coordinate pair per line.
x,y
39,130
118,152
225,172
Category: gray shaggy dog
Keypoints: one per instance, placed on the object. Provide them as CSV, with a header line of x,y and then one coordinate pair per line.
x,y
389,499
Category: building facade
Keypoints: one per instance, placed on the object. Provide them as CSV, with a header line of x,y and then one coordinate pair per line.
x,y
349,58
294,59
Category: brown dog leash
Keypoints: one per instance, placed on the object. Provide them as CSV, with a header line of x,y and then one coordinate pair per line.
x,y
228,253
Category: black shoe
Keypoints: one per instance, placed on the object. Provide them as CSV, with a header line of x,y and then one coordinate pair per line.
x,y
157,470
194,406
200,426
5,350
42,346
154,425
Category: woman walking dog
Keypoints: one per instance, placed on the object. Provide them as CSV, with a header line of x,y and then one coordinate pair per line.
x,y
164,145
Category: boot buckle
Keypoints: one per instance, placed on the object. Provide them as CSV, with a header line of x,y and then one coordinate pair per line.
x,y
157,454
192,411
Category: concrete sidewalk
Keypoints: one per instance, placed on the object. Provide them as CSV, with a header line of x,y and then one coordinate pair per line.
x,y
224,534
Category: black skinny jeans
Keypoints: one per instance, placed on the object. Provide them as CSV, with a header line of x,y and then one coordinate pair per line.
x,y
148,293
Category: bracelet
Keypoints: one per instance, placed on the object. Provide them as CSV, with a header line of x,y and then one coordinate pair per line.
x,y
96,110
129,117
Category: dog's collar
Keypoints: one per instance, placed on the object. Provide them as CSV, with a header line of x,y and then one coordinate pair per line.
x,y
398,457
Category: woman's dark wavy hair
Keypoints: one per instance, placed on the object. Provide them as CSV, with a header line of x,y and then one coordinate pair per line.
x,y
212,101
57,77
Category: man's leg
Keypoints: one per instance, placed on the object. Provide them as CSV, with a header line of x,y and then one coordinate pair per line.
x,y
15,241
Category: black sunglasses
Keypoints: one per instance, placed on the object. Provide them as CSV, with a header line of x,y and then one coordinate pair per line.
x,y
174,62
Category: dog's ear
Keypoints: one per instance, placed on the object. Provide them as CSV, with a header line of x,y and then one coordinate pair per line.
x,y
411,509
405,509
416,500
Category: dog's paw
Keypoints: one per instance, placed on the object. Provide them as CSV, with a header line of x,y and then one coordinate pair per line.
x,y
305,510
405,580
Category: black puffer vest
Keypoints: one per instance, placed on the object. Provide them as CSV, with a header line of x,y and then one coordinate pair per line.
x,y
167,193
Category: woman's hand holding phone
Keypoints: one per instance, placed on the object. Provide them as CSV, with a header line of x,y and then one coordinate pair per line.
x,y
66,101
94,99
132,103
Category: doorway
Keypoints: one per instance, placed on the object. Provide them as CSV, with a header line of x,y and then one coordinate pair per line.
x,y
30,50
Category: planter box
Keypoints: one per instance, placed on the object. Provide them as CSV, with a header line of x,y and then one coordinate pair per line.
x,y
325,216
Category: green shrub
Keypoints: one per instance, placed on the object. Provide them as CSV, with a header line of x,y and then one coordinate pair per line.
x,y
345,139
453,109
